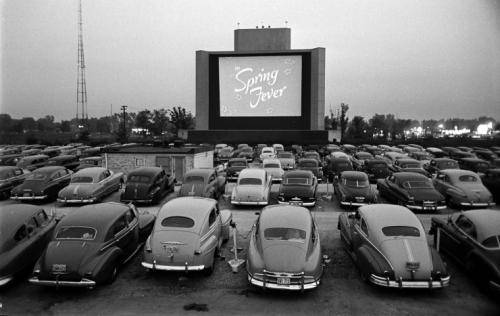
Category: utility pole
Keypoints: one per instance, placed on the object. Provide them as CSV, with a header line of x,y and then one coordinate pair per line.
x,y
81,84
124,128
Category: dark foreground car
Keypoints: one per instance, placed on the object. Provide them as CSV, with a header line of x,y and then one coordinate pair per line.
x,y
90,245
42,184
298,187
147,185
25,231
376,169
10,177
204,183
312,165
353,189
234,167
472,238
389,245
491,180
284,252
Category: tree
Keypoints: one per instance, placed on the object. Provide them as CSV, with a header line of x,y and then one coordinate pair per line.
x,y
343,119
46,124
181,119
28,124
6,123
377,126
144,120
357,128
159,122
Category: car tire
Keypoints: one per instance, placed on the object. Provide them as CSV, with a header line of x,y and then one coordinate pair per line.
x,y
113,273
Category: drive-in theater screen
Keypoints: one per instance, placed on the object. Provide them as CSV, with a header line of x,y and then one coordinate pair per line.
x,y
260,91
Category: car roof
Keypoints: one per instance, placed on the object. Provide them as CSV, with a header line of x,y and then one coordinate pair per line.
x,y
11,216
252,172
358,175
487,222
405,176
62,157
290,216
146,171
455,173
443,159
470,159
92,171
205,173
48,169
194,207
378,216
29,158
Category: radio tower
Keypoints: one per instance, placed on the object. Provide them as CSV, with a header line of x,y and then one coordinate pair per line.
x,y
81,85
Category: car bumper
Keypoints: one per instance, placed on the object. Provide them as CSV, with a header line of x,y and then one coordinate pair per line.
x,y
136,201
249,202
291,287
301,203
386,282
348,203
5,279
160,267
82,283
426,208
29,198
91,200
479,204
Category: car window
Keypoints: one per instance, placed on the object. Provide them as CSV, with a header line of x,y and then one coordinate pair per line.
x,y
120,224
212,217
82,179
297,180
364,227
468,178
177,221
195,179
212,178
467,226
41,218
32,225
20,233
409,231
492,242
250,181
288,234
135,178
76,232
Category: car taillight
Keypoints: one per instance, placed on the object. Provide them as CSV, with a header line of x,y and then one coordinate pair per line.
x,y
147,246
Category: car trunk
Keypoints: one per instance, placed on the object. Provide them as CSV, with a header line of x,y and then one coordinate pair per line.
x,y
284,256
407,254
174,247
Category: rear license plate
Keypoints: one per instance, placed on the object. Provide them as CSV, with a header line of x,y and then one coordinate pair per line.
x,y
58,268
26,194
283,281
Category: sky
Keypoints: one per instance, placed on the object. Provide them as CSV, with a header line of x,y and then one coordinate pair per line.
x,y
417,59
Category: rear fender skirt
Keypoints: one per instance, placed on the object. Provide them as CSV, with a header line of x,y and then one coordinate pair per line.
x,y
487,264
371,262
99,264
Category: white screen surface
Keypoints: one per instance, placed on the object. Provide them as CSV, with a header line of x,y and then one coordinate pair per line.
x,y
260,86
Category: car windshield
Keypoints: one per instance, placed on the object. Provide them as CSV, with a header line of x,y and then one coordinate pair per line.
x,y
467,178
237,164
37,176
195,179
271,165
177,221
288,234
308,164
417,184
82,179
250,181
267,151
297,181
285,155
76,232
139,179
393,231
448,165
356,183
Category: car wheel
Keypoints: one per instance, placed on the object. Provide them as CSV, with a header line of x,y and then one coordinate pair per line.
x,y
113,273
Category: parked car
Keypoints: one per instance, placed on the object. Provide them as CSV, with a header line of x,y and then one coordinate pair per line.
x,y
225,154
353,189
42,184
335,166
391,156
359,158
487,155
409,165
312,155
491,180
253,187
91,185
147,185
247,153
463,189
412,190
203,182
376,169
32,162
9,160
477,165
436,152
389,246
267,153
287,160
89,162
10,177
472,239
234,167
438,164
284,252
187,236
68,161
298,187
51,151
312,165
25,231
90,244
422,156
273,168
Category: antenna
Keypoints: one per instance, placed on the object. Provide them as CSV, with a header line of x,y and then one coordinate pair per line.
x,y
81,84
286,23
238,24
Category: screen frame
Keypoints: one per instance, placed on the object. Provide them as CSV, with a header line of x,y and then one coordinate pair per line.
x,y
217,122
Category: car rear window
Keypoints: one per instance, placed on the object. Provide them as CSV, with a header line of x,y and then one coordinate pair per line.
x,y
448,165
297,181
37,176
355,183
467,178
491,242
237,164
271,165
81,179
392,231
76,232
410,165
195,179
285,155
250,181
417,184
177,221
308,164
139,179
288,234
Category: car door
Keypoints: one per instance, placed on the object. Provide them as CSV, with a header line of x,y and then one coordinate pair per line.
x,y
359,232
465,235
211,239
122,235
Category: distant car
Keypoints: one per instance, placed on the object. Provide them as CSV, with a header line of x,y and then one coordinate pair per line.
x,y
491,180
389,245
9,160
147,185
298,187
203,182
436,152
10,177
25,231
225,154
358,159
409,165
422,156
284,252
51,151
253,187
33,162
353,189
287,160
247,153
234,167
90,244
338,154
335,166
42,184
68,161
91,185
412,190
312,165
273,168
312,155
391,156
187,236
487,155
477,165
348,149
267,153
89,162
437,164
463,189
472,239
376,169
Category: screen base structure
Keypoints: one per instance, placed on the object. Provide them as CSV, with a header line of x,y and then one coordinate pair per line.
x,y
299,137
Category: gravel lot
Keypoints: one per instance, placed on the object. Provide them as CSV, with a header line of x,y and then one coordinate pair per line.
x,y
137,291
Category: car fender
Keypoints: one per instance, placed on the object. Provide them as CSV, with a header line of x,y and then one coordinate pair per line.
x,y
485,265
371,262
99,265
437,262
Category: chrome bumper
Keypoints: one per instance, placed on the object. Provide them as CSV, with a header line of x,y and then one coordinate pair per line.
x,y
291,287
154,266
426,208
345,203
472,204
309,204
136,201
92,200
5,279
83,283
249,202
386,282
28,198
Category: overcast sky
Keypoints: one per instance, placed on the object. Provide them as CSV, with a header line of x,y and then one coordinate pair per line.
x,y
415,58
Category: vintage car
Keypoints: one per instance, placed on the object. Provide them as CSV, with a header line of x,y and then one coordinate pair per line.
x,y
234,166
287,160
491,181
409,165
273,168
25,231
51,151
31,152
284,252
246,152
412,190
472,239
374,150
422,156
312,155
376,169
68,161
89,245
225,154
353,189
42,184
487,155
436,152
359,158
463,189
391,156
477,165
89,162
338,154
298,187
9,160
32,162
187,236
204,183
91,185
348,149
267,153
437,164
11,177
147,185
253,187
312,165
335,166
389,246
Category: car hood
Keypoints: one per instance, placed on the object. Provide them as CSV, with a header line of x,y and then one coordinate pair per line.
x,y
75,254
474,192
174,247
192,189
284,256
297,190
78,189
425,194
136,190
399,251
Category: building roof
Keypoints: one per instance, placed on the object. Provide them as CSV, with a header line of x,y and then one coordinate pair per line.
x,y
157,150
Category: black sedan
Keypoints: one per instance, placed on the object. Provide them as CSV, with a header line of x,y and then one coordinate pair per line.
x,y
10,177
491,181
473,239
147,185
298,187
42,184
376,169
89,245
234,166
335,166
353,189
311,164
412,190
69,161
